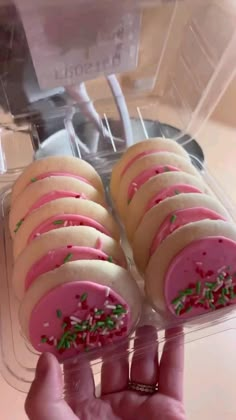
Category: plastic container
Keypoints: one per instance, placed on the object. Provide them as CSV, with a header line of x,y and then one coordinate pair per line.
x,y
169,90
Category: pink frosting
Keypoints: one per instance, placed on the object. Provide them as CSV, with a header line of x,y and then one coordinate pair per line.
x,y
51,196
63,220
171,192
138,156
57,257
90,306
55,173
205,264
180,218
144,176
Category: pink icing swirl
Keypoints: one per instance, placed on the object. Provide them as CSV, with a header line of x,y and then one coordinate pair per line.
x,y
55,173
144,176
57,257
63,220
181,218
138,156
76,317
171,192
51,196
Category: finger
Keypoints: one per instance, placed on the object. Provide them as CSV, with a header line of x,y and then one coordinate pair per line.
x,y
44,401
144,367
79,382
172,365
115,371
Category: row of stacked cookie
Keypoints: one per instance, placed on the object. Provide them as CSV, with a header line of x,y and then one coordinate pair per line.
x,y
180,234
70,272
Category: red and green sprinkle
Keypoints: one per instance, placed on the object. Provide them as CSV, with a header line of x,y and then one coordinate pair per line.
x,y
173,218
58,222
208,295
83,297
99,327
59,313
18,225
68,258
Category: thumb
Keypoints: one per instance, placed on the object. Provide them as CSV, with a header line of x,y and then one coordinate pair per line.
x,y
45,399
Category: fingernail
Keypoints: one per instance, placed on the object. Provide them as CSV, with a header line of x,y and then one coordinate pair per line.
x,y
43,365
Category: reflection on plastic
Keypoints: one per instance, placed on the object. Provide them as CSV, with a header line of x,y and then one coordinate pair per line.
x,y
2,156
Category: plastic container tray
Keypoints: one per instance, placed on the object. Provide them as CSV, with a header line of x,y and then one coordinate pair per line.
x,y
174,89
19,359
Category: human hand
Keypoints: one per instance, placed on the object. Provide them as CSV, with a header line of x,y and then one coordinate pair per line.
x,y
117,402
